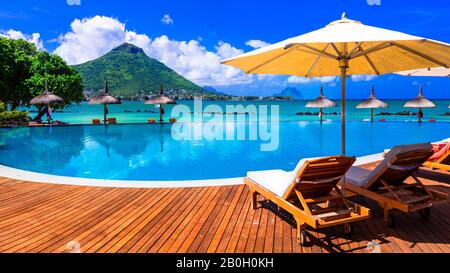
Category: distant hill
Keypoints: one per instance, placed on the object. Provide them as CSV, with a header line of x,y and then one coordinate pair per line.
x,y
130,72
290,92
213,90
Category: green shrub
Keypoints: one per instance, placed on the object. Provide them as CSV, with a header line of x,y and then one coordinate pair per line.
x,y
2,107
14,118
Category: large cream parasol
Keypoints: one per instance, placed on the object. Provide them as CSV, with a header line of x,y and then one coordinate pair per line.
x,y
345,47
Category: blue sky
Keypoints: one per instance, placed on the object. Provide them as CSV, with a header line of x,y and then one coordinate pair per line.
x,y
192,36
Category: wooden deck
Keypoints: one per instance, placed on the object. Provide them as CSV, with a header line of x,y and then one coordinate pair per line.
x,y
38,217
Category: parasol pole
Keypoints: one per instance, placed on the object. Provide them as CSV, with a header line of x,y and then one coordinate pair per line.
x,y
321,109
104,113
161,106
343,64
321,115
420,113
372,94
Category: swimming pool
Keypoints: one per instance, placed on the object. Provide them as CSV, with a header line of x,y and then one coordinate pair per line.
x,y
149,152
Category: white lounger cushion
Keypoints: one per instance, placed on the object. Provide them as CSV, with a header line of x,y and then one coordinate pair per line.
x,y
357,176
276,181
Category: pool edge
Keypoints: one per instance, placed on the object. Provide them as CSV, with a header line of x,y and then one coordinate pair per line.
x,y
18,174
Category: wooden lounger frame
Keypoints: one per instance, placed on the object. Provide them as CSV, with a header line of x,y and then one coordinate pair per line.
x,y
315,184
442,163
404,196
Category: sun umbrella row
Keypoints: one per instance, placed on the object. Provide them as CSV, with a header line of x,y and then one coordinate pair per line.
x,y
47,98
372,103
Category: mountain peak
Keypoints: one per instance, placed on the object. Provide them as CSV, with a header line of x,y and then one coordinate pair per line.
x,y
291,92
130,48
130,72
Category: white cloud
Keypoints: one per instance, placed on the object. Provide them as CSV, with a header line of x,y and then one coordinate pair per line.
x,y
363,78
167,19
34,38
73,2
256,43
91,38
298,79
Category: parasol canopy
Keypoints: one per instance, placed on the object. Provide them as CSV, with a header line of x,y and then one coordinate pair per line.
x,y
160,100
105,97
321,101
47,97
372,102
420,101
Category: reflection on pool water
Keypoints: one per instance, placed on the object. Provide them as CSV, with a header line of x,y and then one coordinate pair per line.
x,y
148,152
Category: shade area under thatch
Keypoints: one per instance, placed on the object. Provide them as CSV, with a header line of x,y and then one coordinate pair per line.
x,y
321,102
372,102
47,97
420,102
160,99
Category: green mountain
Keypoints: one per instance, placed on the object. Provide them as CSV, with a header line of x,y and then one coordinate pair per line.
x,y
291,92
130,72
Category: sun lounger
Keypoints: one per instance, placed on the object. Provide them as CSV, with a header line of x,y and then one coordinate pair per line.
x,y
151,120
35,124
310,193
386,183
441,159
96,121
112,120
172,120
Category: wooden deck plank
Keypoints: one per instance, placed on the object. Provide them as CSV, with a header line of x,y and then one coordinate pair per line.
x,y
39,217
177,234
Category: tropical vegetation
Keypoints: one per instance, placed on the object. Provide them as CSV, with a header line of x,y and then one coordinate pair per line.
x,y
24,70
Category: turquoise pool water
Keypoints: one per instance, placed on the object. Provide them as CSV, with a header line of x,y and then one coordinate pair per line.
x,y
149,152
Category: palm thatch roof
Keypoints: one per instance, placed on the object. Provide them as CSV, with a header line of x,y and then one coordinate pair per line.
x,y
372,102
420,102
47,97
321,101
427,72
104,98
160,99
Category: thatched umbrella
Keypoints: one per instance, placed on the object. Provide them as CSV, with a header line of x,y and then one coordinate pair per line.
x,y
420,102
47,98
105,98
321,102
427,72
371,103
160,100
